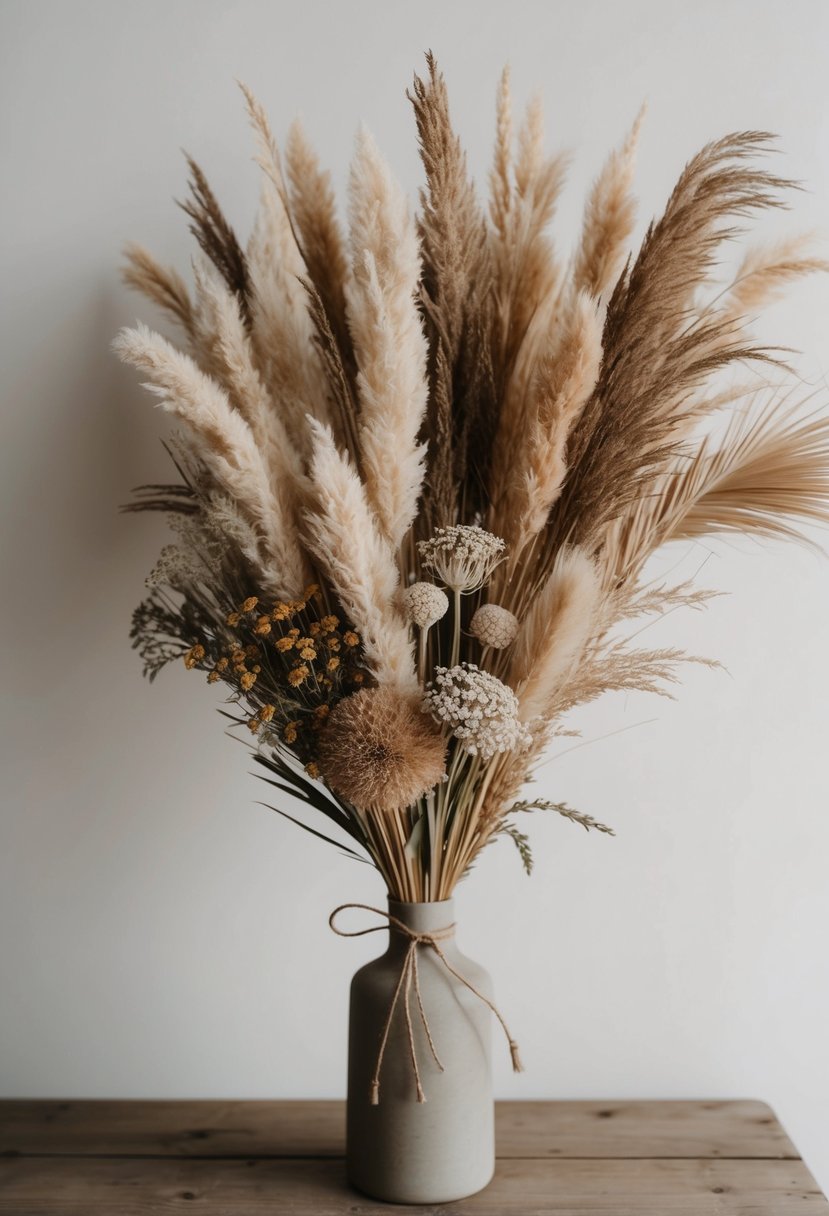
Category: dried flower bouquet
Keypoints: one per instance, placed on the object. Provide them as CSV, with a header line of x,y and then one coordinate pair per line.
x,y
422,466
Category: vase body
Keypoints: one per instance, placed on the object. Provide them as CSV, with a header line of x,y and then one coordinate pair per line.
x,y
402,1150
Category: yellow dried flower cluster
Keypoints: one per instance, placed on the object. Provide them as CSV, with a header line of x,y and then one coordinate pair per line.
x,y
288,662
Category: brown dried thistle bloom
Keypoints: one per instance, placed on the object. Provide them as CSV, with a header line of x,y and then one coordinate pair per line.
x,y
378,751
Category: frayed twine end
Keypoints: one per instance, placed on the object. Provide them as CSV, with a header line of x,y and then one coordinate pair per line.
x,y
517,1066
374,1097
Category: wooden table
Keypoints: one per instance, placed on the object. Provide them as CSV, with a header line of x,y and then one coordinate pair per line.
x,y
240,1158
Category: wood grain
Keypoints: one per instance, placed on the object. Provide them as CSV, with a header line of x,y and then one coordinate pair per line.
x,y
73,1187
317,1129
90,1158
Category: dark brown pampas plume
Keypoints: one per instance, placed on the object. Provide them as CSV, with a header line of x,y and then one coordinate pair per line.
x,y
340,385
655,354
216,237
456,287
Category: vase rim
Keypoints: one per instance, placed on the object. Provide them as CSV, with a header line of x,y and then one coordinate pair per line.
x,y
437,916
421,903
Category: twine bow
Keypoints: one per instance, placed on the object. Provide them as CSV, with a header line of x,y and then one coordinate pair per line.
x,y
409,979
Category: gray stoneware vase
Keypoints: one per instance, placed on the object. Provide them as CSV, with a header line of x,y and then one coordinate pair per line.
x,y
402,1150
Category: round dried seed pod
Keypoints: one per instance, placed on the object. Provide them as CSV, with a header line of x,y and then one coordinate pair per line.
x,y
494,626
425,604
379,751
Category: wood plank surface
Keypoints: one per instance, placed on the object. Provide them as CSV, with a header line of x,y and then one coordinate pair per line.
x,y
317,1129
90,1158
48,1185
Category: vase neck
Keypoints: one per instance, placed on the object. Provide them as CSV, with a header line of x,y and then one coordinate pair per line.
x,y
437,918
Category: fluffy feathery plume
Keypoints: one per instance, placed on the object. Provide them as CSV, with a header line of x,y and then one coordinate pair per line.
x,y
555,630
379,752
226,353
161,284
528,280
767,476
608,220
283,331
388,340
566,377
500,179
654,359
343,534
225,443
216,237
317,228
455,289
571,419
765,272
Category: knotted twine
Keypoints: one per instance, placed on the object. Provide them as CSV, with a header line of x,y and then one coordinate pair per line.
x,y
409,979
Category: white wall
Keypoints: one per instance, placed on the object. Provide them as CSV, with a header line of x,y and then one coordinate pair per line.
x,y
162,934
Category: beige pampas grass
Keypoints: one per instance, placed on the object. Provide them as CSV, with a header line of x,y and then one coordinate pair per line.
x,y
389,343
161,284
555,631
379,752
226,445
316,227
282,329
767,477
564,382
608,220
343,535
443,403
766,271
528,281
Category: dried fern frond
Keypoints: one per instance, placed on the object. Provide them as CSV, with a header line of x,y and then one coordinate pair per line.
x,y
769,477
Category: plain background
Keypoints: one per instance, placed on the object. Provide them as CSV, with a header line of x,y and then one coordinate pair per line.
x,y
161,933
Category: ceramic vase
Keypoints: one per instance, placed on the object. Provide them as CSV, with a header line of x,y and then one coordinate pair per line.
x,y
400,1149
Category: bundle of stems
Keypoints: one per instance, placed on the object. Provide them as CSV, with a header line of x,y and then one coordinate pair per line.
x,y
424,459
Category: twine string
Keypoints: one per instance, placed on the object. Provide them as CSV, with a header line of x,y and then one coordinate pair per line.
x,y
408,981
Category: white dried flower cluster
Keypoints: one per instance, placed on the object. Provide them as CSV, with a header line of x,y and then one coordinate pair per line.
x,y
494,626
425,604
481,711
176,567
463,555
